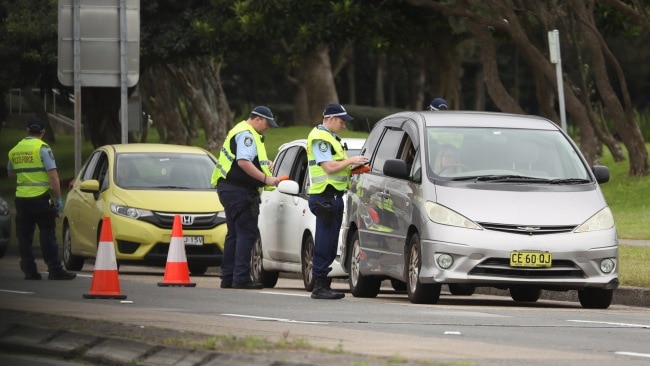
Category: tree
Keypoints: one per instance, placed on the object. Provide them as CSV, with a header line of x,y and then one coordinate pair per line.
x,y
28,51
525,23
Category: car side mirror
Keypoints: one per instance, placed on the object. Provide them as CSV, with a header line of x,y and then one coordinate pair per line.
x,y
289,187
601,173
396,168
89,186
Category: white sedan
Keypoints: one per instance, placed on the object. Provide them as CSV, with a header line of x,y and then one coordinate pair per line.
x,y
286,224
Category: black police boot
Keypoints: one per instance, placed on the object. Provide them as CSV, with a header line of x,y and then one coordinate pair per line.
x,y
321,291
328,283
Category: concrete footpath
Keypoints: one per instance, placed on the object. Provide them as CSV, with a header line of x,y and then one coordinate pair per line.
x,y
96,349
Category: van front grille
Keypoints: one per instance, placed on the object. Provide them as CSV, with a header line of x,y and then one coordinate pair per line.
x,y
528,229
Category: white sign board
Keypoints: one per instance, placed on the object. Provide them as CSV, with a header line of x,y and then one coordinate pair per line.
x,y
99,28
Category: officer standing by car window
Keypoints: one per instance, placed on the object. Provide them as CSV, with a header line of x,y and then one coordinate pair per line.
x,y
32,163
329,168
242,170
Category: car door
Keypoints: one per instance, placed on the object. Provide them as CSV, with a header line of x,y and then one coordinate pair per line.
x,y
268,222
86,209
397,196
294,216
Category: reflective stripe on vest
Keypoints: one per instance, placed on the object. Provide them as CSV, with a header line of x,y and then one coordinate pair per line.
x,y
318,177
227,157
32,179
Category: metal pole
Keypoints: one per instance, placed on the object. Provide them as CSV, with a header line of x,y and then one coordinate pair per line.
x,y
77,84
556,58
124,111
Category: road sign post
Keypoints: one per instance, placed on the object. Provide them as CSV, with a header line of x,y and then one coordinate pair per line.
x,y
99,46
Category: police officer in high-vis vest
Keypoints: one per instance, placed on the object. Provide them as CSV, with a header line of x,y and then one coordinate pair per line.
x,y
329,170
242,170
32,163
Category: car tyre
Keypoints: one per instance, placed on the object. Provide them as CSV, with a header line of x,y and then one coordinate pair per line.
x,y
360,285
595,298
307,262
525,294
399,286
259,274
459,289
70,261
419,293
3,250
197,269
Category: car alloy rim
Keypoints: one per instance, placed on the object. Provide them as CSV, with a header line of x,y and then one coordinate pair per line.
x,y
354,263
413,268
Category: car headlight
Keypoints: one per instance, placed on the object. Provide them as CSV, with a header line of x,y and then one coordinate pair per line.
x,y
444,216
603,220
131,212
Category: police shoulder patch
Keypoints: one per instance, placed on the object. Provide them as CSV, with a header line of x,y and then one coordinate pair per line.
x,y
323,146
248,141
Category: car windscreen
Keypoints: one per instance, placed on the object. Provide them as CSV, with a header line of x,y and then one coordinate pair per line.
x,y
162,171
503,155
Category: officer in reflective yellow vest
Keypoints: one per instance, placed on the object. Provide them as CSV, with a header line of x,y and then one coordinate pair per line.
x,y
242,170
32,163
329,170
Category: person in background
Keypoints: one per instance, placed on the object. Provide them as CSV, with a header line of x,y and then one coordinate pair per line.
x,y
329,168
242,170
32,163
438,104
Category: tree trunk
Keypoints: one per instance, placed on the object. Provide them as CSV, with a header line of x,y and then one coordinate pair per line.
x,y
500,96
625,124
318,81
101,110
379,80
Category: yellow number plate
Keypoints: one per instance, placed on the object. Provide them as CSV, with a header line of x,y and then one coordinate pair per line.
x,y
530,259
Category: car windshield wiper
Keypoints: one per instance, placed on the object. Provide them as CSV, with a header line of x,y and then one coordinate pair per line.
x,y
507,178
569,181
172,187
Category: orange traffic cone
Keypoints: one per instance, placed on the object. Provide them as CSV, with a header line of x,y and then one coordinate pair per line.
x,y
177,273
105,284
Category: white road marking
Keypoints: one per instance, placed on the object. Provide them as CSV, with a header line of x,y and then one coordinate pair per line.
x,y
282,293
612,323
271,319
17,292
647,355
451,332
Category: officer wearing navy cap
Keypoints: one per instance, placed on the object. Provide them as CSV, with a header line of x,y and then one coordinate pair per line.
x,y
438,104
329,170
32,163
242,170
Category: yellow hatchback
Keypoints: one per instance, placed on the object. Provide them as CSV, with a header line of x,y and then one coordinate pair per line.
x,y
141,187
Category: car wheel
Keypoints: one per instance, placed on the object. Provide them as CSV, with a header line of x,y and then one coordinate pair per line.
x,y
461,290
307,263
197,269
70,261
398,285
525,294
595,298
419,293
268,279
360,285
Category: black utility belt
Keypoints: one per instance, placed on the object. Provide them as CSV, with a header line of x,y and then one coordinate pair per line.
x,y
332,193
45,196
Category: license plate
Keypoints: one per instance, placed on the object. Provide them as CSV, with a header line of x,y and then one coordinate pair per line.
x,y
530,259
193,240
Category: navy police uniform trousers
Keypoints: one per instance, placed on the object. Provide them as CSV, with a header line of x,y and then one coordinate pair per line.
x,y
327,231
29,213
242,211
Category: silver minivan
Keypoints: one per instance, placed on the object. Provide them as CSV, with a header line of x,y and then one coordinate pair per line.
x,y
479,199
